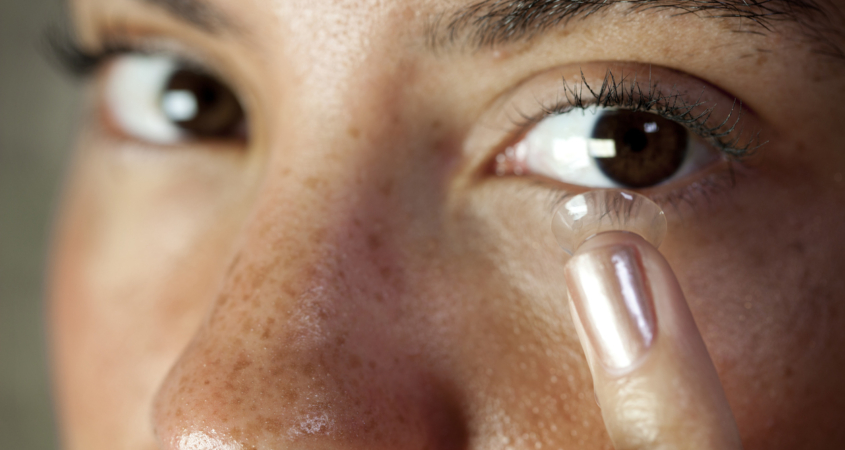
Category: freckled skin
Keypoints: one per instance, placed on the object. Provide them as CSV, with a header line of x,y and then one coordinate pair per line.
x,y
353,280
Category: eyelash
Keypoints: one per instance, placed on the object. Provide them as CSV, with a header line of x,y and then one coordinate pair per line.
x,y
79,62
727,135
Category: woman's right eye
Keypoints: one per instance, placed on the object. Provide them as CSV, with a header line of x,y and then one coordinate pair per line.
x,y
158,99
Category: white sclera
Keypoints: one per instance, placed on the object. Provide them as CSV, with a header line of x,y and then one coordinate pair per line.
x,y
593,212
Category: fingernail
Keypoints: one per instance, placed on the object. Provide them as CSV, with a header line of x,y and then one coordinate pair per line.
x,y
609,291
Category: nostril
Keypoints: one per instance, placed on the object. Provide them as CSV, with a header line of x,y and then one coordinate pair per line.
x,y
448,420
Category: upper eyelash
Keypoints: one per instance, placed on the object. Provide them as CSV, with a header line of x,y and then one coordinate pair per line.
x,y
728,134
76,60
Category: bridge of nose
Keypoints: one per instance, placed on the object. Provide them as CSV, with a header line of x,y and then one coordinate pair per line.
x,y
311,339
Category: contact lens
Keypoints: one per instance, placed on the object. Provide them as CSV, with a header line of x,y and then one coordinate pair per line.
x,y
580,217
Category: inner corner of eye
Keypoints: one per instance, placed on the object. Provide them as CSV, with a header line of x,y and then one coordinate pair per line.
x,y
609,148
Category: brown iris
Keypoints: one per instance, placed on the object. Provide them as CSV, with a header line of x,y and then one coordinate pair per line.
x,y
648,148
206,108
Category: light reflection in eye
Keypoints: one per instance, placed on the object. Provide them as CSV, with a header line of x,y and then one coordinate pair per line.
x,y
605,148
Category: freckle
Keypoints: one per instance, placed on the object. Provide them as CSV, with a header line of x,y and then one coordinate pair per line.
x,y
242,363
435,124
340,340
385,272
373,242
386,188
266,334
354,362
254,428
290,395
318,235
314,183
273,425
308,369
353,132
379,297
277,371
179,412
372,364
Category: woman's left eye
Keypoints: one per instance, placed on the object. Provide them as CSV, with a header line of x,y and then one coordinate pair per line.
x,y
607,148
157,99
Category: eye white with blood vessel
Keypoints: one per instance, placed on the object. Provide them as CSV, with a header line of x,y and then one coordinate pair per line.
x,y
580,217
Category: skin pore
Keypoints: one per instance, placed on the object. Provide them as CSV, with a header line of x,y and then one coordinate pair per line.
x,y
355,276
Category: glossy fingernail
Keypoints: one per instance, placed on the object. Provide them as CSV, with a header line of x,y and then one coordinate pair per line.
x,y
611,294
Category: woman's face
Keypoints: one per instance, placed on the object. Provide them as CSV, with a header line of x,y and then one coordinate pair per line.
x,y
353,259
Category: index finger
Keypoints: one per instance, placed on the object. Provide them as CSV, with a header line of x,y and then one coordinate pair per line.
x,y
653,376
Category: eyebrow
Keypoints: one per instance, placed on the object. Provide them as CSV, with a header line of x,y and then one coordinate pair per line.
x,y
198,13
488,23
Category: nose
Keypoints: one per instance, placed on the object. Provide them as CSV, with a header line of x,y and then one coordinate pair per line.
x,y
310,343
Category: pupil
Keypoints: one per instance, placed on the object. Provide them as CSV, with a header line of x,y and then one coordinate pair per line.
x,y
636,140
202,106
648,149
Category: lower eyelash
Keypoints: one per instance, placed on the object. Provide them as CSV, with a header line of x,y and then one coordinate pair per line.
x,y
687,198
692,194
727,135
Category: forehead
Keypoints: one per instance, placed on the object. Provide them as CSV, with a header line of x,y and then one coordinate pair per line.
x,y
476,22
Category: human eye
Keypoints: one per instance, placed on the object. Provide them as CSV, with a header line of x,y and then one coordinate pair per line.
x,y
160,98
630,131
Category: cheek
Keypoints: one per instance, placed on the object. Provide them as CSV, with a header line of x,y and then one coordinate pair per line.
x,y
763,278
132,277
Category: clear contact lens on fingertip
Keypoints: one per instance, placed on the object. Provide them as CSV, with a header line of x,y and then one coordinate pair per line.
x,y
580,217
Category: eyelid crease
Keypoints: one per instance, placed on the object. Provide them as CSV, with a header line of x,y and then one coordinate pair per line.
x,y
727,135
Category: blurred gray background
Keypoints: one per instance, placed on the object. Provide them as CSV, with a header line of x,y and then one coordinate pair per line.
x,y
37,122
